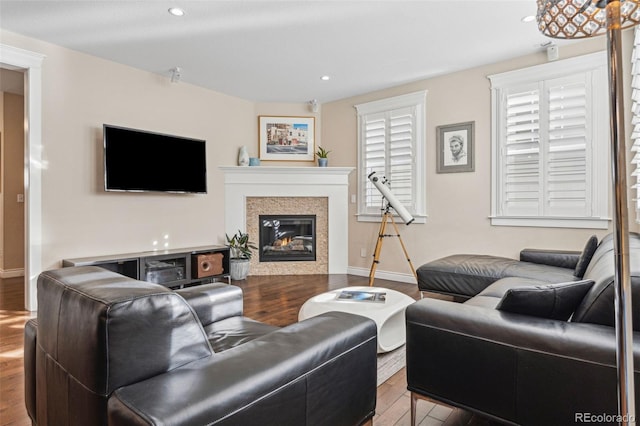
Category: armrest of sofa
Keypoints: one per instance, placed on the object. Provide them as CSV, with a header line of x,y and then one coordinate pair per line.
x,y
214,302
30,342
512,367
561,258
318,371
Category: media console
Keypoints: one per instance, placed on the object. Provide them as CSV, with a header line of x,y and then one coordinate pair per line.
x,y
171,268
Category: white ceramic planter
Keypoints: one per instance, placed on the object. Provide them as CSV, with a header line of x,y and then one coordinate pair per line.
x,y
239,268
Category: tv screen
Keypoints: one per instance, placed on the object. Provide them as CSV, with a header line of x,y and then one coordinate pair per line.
x,y
137,160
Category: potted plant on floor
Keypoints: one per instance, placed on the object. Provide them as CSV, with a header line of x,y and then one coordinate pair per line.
x,y
240,251
323,157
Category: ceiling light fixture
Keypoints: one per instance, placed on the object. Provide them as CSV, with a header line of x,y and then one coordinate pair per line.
x,y
176,74
325,78
571,19
176,11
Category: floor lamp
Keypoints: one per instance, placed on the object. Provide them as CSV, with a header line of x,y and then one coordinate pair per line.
x,y
572,19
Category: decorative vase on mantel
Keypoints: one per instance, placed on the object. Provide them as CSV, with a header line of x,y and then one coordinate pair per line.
x,y
243,156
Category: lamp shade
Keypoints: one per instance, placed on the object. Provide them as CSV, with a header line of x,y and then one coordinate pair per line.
x,y
582,18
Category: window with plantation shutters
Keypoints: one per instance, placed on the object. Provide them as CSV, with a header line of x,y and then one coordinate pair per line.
x,y
635,121
391,144
549,144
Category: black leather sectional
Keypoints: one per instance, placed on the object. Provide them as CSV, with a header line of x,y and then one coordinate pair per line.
x,y
535,342
109,350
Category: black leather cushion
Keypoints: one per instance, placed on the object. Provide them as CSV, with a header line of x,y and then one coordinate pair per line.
x,y
235,331
561,258
213,302
585,257
467,275
553,301
598,305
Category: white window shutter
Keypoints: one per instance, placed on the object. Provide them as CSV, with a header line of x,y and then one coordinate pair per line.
x,y
375,156
400,168
567,163
521,154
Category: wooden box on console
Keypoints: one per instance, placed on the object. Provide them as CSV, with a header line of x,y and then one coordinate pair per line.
x,y
206,265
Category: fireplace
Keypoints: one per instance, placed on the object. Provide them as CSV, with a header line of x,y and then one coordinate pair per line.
x,y
323,191
285,238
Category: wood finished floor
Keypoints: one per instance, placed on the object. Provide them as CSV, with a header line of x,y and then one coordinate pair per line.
x,y
272,299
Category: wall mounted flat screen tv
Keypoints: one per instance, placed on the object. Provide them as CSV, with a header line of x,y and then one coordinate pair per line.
x,y
139,161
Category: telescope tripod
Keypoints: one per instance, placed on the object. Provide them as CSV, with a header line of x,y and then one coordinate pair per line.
x,y
381,235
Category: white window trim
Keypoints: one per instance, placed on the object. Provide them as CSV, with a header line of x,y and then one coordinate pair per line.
x,y
595,61
419,101
634,136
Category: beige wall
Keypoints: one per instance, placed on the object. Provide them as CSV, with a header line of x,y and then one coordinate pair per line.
x,y
82,92
12,172
458,204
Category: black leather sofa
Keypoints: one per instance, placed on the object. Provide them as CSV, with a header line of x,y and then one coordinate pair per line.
x,y
526,362
109,350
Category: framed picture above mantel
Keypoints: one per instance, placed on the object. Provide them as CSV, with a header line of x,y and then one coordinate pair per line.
x,y
285,138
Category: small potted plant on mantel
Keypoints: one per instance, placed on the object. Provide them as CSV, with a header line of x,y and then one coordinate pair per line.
x,y
323,154
240,251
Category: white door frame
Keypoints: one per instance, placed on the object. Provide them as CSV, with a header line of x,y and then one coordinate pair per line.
x,y
31,63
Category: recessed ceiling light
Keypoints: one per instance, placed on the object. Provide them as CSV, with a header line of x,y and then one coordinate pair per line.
x,y
325,78
528,18
176,11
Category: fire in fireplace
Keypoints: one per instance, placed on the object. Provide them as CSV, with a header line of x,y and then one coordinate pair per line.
x,y
285,238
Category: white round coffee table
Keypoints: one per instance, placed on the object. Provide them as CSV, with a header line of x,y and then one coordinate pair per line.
x,y
388,315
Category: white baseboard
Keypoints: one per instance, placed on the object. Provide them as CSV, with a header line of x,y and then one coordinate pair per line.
x,y
12,273
383,275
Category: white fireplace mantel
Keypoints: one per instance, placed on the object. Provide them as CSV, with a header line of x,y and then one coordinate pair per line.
x,y
267,181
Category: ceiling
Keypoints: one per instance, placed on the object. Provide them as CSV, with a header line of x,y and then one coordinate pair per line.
x,y
276,51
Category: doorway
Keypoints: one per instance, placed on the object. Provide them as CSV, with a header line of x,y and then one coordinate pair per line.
x,y
30,63
12,137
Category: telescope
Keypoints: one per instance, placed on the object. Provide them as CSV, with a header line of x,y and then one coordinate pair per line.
x,y
392,201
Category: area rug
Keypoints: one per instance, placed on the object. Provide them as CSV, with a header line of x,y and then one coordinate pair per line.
x,y
390,363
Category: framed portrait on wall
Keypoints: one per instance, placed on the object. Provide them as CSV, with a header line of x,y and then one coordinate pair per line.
x,y
287,138
455,146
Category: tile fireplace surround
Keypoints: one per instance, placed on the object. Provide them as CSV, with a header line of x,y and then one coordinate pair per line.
x,y
242,184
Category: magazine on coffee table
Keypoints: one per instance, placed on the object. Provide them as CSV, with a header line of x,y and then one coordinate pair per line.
x,y
362,296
